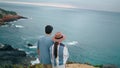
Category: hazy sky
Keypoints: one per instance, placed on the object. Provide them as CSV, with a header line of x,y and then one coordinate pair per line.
x,y
106,5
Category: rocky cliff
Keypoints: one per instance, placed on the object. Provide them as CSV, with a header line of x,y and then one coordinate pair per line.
x,y
9,16
10,55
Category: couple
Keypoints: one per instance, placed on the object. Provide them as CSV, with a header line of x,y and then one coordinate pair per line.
x,y
52,53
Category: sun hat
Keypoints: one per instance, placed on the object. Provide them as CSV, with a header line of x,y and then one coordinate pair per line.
x,y
58,37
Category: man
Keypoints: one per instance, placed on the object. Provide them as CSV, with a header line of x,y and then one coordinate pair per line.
x,y
43,46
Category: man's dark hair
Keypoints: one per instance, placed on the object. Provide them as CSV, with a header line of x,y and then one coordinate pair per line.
x,y
48,29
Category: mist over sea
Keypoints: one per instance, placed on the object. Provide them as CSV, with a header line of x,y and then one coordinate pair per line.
x,y
91,36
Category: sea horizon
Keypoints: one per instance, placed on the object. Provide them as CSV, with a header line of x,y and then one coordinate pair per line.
x,y
91,35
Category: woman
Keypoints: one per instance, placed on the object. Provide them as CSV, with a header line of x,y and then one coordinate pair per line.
x,y
58,51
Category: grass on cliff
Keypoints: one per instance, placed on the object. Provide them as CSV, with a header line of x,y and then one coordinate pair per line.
x,y
21,66
35,66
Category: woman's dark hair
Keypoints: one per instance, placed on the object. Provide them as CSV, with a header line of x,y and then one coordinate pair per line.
x,y
48,29
55,49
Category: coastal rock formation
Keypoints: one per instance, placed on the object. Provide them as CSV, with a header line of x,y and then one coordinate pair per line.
x,y
9,16
10,55
30,45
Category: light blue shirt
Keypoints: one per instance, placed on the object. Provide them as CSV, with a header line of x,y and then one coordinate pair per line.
x,y
43,45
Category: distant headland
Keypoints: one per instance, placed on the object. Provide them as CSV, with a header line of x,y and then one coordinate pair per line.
x,y
9,16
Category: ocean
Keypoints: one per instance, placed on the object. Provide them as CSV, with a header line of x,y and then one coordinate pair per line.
x,y
91,36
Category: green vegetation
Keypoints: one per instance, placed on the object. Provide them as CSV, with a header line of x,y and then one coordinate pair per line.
x,y
5,12
1,16
11,66
11,12
21,66
100,66
34,66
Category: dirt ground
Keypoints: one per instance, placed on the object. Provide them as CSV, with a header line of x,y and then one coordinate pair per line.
x,y
78,66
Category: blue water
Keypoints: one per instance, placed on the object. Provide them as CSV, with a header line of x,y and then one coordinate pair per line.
x,y
91,36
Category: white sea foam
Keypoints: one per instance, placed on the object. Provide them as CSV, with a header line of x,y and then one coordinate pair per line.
x,y
42,4
29,52
1,45
67,43
33,47
35,62
12,25
72,43
21,49
19,26
4,25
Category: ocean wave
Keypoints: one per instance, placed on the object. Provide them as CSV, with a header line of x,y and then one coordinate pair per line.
x,y
21,49
5,26
42,4
12,25
29,52
33,47
35,62
72,43
19,26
